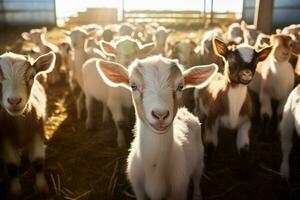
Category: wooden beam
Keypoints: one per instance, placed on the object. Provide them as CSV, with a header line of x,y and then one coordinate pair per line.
x,y
263,15
211,11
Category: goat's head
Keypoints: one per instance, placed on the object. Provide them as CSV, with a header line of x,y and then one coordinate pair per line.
x,y
34,35
235,34
161,35
17,75
126,50
78,37
185,52
240,61
250,33
156,84
283,46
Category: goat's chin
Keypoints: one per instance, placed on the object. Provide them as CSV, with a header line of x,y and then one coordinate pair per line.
x,y
159,130
15,112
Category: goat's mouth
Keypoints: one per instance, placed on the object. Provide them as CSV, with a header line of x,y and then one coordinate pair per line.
x,y
160,128
14,111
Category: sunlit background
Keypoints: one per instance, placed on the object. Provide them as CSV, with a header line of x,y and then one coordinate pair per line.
x,y
66,8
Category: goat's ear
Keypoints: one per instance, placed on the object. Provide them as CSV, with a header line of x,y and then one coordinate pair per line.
x,y
113,74
26,36
44,29
244,25
146,49
199,76
220,48
296,47
263,53
107,48
45,63
278,31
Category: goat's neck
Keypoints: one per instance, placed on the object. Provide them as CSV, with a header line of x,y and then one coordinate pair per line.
x,y
275,64
154,149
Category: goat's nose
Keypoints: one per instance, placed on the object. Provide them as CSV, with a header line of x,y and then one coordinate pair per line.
x,y
247,72
161,114
14,101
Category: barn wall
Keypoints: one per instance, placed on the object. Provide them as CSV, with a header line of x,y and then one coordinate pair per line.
x,y
285,12
27,12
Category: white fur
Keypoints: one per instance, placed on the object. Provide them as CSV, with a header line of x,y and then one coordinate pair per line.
x,y
81,54
246,53
290,121
160,165
235,33
279,83
236,98
114,98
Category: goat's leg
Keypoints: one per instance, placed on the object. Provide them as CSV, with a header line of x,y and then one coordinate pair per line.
x,y
120,122
211,136
286,128
37,158
89,104
265,112
242,142
80,105
196,180
12,163
105,113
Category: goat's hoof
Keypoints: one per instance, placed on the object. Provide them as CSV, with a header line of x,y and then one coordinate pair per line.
x,y
284,171
209,149
15,189
244,151
121,142
197,197
41,184
265,118
90,126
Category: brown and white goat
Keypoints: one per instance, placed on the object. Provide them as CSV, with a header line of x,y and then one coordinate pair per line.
x,y
22,115
225,102
38,37
274,78
167,151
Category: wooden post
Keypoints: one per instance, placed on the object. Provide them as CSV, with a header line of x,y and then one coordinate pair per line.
x,y
204,13
123,10
263,15
211,11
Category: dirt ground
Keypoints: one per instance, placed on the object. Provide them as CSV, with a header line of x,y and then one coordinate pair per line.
x,y
88,165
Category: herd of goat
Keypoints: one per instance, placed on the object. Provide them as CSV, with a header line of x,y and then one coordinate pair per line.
x,y
172,87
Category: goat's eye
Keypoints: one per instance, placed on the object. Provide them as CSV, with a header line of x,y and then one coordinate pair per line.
x,y
179,88
133,87
31,77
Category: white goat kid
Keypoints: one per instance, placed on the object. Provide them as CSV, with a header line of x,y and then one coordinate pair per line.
x,y
290,121
167,150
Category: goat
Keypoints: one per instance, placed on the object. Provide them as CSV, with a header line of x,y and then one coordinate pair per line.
x,y
167,150
160,38
290,121
234,34
38,37
250,33
81,54
274,78
116,99
225,101
22,115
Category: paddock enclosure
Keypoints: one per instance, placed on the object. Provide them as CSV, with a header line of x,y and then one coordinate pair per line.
x,y
85,164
